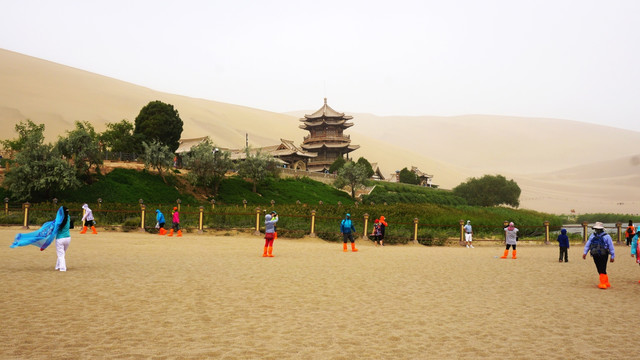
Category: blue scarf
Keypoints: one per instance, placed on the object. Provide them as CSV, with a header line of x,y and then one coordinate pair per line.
x,y
42,237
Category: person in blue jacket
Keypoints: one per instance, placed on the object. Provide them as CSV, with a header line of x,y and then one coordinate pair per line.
x,y
160,222
634,248
600,245
347,229
563,242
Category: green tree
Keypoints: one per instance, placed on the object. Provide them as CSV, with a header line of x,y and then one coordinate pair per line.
x,y
408,177
119,137
157,156
39,172
208,165
367,165
160,122
337,164
257,167
81,147
353,175
489,190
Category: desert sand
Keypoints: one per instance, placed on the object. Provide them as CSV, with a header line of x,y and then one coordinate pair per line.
x,y
539,154
139,296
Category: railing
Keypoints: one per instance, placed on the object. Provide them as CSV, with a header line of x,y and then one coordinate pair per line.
x,y
318,138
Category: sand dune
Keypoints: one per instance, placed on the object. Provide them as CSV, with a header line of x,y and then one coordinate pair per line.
x,y
540,154
140,296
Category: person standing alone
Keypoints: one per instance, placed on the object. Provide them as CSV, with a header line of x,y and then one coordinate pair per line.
x,y
563,242
600,245
511,239
88,220
468,234
347,229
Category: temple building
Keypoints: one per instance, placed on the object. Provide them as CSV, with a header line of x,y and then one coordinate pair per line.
x,y
326,137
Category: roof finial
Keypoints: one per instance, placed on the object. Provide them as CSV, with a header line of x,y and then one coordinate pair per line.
x,y
325,101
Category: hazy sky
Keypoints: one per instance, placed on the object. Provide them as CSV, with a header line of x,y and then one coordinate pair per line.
x,y
569,59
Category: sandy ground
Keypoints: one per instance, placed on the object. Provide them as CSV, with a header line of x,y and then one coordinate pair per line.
x,y
139,296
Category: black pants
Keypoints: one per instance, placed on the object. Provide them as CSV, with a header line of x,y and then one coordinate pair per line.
x,y
346,237
629,239
514,246
564,251
601,263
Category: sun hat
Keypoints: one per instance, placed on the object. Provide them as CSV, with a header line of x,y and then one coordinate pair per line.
x,y
175,208
598,225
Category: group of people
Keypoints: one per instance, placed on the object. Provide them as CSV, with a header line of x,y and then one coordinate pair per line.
x,y
175,223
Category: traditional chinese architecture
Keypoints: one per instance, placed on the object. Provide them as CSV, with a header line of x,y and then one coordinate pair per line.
x,y
326,137
288,154
424,178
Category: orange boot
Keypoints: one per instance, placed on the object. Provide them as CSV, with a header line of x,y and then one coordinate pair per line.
x,y
513,254
603,281
170,232
84,230
179,233
93,230
344,247
270,251
162,231
606,280
504,256
264,253
353,247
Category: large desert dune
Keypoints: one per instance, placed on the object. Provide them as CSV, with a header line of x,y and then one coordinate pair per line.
x,y
540,154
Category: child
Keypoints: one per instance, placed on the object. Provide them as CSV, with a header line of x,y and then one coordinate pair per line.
x,y
376,232
634,249
563,242
269,234
631,231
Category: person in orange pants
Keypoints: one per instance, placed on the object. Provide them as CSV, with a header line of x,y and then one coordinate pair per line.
x,y
511,235
269,234
88,220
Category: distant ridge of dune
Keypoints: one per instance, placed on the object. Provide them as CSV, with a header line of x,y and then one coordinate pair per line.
x,y
540,154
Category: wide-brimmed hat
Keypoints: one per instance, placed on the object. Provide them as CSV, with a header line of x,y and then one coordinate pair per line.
x,y
598,225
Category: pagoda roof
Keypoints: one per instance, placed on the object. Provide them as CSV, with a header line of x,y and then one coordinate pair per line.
x,y
330,146
327,112
307,124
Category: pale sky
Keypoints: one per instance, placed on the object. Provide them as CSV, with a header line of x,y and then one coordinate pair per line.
x,y
569,59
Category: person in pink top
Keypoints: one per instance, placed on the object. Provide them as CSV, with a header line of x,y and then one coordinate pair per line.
x,y
175,219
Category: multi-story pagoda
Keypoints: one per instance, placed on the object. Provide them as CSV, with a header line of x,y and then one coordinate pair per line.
x,y
326,137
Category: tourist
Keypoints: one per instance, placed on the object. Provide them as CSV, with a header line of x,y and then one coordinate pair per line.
x,y
468,234
347,229
269,234
274,214
175,223
376,232
88,220
631,231
563,242
511,239
600,245
160,221
63,239
383,229
634,249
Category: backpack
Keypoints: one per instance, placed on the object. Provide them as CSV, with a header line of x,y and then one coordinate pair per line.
x,y
598,246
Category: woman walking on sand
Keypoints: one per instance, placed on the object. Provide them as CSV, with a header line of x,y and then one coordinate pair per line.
x,y
511,236
175,222
600,245
63,239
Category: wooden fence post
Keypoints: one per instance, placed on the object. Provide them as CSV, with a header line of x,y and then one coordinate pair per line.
x,y
462,239
415,230
505,224
257,232
6,206
366,222
585,234
201,221
25,223
619,226
546,232
143,211
313,223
